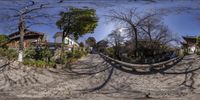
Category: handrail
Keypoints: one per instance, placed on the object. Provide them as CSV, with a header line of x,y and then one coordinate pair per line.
x,y
130,65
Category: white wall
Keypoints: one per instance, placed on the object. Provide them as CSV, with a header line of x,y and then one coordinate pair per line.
x,y
70,41
66,41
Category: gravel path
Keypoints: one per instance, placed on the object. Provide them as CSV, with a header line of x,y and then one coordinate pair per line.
x,y
93,78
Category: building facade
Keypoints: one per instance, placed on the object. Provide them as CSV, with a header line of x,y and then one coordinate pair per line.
x,y
190,44
30,37
69,41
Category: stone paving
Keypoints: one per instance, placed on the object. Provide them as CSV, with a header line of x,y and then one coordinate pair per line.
x,y
93,78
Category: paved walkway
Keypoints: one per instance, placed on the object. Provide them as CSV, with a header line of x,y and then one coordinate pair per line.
x,y
93,78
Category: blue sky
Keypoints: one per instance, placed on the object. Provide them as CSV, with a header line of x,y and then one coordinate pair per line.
x,y
181,21
183,24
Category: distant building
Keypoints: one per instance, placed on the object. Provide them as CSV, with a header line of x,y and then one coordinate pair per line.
x,y
190,44
70,42
30,37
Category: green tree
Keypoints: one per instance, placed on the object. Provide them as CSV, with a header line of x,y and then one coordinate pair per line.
x,y
76,22
91,41
81,44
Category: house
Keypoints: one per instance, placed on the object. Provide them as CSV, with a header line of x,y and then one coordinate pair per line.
x,y
30,37
190,44
69,41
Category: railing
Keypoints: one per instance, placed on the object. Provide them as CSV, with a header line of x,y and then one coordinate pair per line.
x,y
142,66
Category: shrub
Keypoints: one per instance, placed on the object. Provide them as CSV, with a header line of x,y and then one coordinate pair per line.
x,y
39,54
3,40
38,63
51,63
46,54
28,62
1,51
72,56
71,60
11,54
69,54
84,53
110,52
77,54
39,57
30,53
8,53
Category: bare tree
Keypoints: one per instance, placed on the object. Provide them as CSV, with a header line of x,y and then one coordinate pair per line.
x,y
116,39
153,29
130,19
102,45
149,26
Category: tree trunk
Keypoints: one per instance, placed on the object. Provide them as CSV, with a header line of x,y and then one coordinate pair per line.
x,y
65,34
62,47
21,42
136,42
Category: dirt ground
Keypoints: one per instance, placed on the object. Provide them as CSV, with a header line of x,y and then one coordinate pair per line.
x,y
92,78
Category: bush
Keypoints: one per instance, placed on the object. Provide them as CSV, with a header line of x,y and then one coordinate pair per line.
x,y
8,53
30,53
3,40
77,54
110,52
39,54
39,57
38,63
11,54
72,56
46,54
69,54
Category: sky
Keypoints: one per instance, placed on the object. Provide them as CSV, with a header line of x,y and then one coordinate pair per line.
x,y
180,20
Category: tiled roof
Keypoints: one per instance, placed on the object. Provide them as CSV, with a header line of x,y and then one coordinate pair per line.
x,y
28,33
189,37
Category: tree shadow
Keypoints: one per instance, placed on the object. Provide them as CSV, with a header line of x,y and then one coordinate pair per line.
x,y
108,69
148,71
189,75
188,72
102,84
